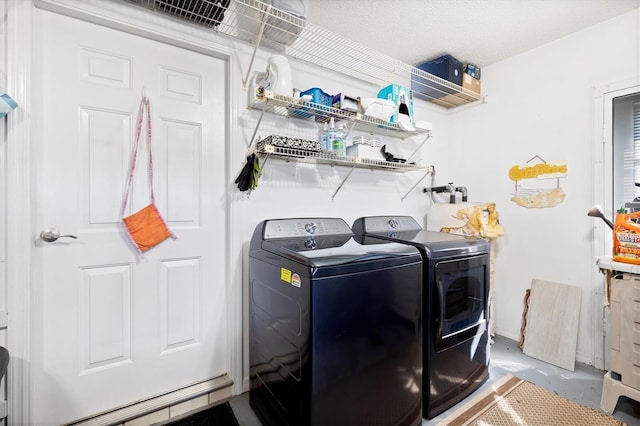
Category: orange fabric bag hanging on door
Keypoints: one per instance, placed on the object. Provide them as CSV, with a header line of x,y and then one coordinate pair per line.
x,y
146,228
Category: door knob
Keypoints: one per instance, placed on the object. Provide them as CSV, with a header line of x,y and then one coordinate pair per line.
x,y
51,234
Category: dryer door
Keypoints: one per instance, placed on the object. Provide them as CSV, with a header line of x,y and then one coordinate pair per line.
x,y
463,291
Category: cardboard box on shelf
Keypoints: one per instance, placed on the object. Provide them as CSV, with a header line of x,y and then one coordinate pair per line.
x,y
450,101
402,97
346,102
460,98
471,83
472,70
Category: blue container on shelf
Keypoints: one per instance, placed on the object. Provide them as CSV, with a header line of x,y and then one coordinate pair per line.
x,y
318,96
323,101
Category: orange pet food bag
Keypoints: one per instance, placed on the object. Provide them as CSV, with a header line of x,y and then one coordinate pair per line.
x,y
626,238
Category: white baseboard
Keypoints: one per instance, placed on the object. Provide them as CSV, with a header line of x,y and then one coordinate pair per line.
x,y
161,403
508,334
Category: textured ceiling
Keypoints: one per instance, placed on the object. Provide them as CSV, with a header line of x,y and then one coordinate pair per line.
x,y
480,32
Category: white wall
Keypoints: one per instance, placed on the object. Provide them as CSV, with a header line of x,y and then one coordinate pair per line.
x,y
540,103
305,190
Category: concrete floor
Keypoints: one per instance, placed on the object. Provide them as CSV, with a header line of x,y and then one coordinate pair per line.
x,y
584,385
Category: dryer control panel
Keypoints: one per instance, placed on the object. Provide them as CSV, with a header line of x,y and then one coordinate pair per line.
x,y
305,227
379,224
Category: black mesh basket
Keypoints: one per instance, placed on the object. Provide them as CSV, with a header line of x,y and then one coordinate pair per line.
x,y
203,12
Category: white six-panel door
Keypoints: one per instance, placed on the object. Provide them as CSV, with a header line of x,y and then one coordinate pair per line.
x,y
109,328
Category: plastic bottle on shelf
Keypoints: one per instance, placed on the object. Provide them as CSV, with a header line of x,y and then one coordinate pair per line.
x,y
338,142
324,138
331,135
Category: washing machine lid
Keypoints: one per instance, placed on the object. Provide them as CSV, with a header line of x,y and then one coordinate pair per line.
x,y
406,230
326,242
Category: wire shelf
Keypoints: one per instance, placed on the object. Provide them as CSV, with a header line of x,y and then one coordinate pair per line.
x,y
300,109
304,156
259,23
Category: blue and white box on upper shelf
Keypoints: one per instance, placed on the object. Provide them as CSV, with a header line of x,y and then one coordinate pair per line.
x,y
472,70
402,97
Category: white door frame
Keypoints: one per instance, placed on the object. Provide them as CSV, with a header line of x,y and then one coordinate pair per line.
x,y
18,211
602,242
20,184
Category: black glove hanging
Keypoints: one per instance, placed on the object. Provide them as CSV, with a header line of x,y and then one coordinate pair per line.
x,y
248,177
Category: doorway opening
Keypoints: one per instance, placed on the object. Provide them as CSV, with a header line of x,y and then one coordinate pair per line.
x,y
613,186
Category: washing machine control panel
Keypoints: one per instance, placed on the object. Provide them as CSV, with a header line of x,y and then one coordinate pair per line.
x,y
304,227
390,223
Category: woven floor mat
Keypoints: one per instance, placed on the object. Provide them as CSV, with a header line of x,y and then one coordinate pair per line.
x,y
513,401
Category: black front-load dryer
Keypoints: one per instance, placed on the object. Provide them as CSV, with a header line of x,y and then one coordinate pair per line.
x,y
456,273
335,326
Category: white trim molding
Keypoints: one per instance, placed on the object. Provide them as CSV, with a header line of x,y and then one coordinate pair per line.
x,y
19,29
602,192
212,388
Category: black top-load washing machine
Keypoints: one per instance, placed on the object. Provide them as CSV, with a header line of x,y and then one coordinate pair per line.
x,y
335,326
455,307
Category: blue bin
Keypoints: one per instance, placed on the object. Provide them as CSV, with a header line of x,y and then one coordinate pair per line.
x,y
446,67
